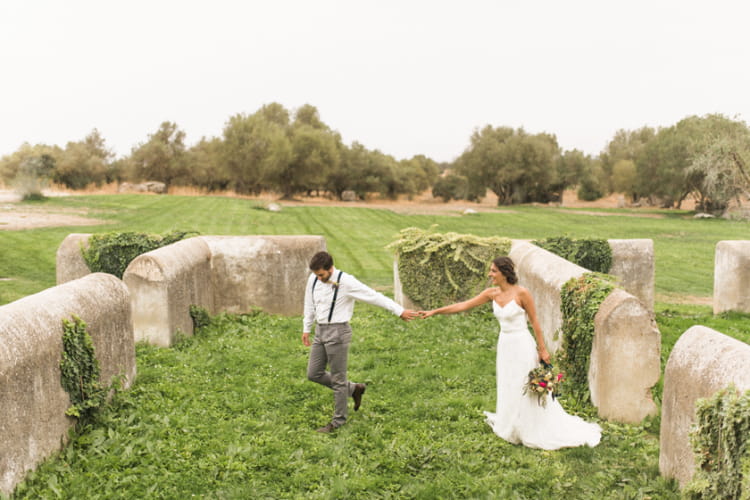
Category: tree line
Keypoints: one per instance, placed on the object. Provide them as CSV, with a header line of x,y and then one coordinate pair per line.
x,y
294,153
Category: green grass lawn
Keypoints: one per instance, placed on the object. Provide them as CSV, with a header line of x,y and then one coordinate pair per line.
x,y
229,413
684,247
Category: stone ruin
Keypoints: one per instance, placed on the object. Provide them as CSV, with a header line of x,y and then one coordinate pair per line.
x,y
33,423
151,303
219,273
625,357
702,362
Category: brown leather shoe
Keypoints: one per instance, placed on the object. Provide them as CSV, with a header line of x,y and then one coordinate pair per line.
x,y
359,389
326,429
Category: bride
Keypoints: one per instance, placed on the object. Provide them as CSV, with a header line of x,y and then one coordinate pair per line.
x,y
520,418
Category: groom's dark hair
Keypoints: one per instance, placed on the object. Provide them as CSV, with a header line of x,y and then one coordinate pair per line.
x,y
321,260
505,266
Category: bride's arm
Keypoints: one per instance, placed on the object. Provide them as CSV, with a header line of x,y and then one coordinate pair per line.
x,y
527,301
458,307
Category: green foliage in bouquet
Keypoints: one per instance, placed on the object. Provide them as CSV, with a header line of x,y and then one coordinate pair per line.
x,y
544,381
580,301
592,254
112,252
79,370
436,269
720,442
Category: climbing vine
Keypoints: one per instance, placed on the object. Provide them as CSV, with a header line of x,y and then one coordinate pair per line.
x,y
200,316
720,442
79,370
112,252
436,269
592,254
581,299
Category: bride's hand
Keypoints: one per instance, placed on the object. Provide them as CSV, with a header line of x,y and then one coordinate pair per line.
x,y
543,354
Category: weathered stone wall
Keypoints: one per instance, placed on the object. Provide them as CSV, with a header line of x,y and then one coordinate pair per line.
x,y
633,264
269,272
625,359
69,261
625,356
732,276
544,274
32,401
702,362
163,284
220,273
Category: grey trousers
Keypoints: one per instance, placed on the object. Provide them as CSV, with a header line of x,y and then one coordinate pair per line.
x,y
331,347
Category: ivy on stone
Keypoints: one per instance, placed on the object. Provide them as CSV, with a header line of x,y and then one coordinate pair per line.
x,y
112,252
436,269
79,370
200,316
593,254
720,442
580,300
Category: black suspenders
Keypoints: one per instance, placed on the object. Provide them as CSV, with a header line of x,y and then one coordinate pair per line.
x,y
335,294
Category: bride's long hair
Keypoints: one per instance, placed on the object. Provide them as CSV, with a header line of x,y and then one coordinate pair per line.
x,y
505,266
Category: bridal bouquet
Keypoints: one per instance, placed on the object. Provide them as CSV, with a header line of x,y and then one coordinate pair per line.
x,y
543,381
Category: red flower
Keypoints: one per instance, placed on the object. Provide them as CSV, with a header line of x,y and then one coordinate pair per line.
x,y
543,384
559,377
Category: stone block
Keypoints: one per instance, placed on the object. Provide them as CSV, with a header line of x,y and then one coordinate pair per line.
x,y
633,265
544,274
33,424
69,263
163,284
625,359
702,362
269,272
732,277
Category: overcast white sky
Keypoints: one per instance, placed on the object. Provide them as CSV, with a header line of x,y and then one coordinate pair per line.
x,y
405,77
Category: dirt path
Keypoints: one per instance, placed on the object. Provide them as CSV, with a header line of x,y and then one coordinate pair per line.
x,y
13,217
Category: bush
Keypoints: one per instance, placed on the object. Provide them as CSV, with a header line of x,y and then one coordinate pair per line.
x,y
451,187
436,269
589,189
720,439
112,252
593,254
580,301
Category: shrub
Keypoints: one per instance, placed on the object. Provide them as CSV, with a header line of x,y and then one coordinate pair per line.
x,y
451,187
581,299
79,370
112,252
436,269
593,254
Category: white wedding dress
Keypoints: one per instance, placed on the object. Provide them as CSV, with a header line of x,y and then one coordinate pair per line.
x,y
520,418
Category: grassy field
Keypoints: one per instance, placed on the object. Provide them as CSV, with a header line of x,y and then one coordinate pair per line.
x,y
684,247
229,413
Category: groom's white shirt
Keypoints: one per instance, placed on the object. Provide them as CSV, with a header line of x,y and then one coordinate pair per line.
x,y
318,302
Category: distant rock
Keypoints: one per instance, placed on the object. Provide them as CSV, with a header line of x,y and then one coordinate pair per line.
x,y
273,207
349,196
144,187
470,211
704,216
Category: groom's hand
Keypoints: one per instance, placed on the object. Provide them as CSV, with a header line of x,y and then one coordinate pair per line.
x,y
306,339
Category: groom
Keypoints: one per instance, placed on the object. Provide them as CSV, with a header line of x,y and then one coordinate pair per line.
x,y
329,303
